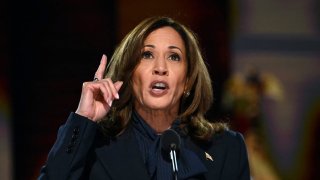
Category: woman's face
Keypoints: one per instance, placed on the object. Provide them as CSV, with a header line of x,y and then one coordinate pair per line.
x,y
160,77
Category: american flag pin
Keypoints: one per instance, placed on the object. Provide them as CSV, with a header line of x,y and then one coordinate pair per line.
x,y
208,156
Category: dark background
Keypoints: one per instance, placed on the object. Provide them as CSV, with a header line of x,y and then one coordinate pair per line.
x,y
50,47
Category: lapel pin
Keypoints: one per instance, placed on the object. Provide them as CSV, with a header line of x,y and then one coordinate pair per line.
x,y
208,156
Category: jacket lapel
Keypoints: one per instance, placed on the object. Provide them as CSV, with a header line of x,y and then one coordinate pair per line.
x,y
212,154
121,158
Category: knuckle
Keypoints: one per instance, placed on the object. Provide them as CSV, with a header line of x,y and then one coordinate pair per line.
x,y
98,74
109,80
86,84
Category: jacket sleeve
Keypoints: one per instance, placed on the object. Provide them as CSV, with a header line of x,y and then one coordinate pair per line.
x,y
244,171
236,164
67,158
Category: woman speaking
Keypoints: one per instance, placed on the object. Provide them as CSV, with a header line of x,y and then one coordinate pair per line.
x,y
156,81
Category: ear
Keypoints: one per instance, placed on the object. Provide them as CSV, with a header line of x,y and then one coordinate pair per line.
x,y
186,85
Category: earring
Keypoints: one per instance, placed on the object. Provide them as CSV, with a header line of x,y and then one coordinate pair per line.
x,y
186,94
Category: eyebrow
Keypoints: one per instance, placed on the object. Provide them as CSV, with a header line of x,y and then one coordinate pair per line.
x,y
149,45
175,47
170,47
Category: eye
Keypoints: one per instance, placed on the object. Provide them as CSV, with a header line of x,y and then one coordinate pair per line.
x,y
146,55
174,57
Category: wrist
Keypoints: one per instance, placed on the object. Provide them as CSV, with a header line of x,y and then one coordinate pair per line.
x,y
84,114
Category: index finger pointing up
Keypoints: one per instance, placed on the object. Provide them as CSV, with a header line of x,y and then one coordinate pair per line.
x,y
100,71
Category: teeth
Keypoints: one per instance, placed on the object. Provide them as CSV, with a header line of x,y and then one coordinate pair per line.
x,y
159,85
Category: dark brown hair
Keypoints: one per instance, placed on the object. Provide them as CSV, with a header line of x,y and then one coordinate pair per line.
x,y
192,108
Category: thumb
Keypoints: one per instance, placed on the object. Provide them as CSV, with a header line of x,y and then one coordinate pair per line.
x,y
118,85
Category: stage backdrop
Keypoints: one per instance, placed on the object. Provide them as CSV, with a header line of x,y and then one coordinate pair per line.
x,y
278,43
5,100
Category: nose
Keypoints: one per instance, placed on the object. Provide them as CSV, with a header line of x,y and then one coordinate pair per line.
x,y
160,71
160,68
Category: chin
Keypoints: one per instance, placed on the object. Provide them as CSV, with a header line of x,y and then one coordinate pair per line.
x,y
157,105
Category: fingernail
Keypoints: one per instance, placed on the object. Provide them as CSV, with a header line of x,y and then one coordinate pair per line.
x,y
110,103
103,56
117,96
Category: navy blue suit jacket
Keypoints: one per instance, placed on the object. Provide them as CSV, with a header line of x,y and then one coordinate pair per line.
x,y
81,152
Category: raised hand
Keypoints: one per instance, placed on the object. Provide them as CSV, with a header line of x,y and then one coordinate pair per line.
x,y
97,96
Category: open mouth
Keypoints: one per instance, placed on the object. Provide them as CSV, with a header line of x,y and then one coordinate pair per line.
x,y
159,85
159,88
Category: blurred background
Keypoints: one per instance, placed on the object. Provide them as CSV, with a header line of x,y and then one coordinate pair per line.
x,y
263,55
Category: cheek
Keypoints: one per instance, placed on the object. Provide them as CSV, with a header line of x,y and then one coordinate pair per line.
x,y
181,79
180,87
138,81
